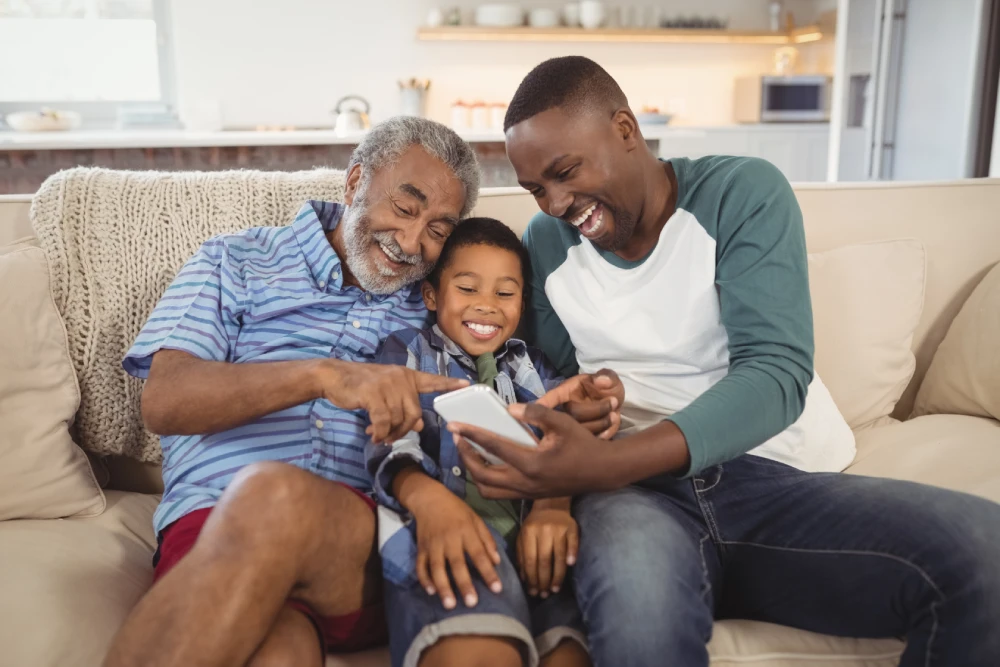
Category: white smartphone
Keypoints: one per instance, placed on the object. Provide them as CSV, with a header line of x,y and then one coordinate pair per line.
x,y
480,406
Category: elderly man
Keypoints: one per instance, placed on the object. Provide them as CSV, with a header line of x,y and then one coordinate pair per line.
x,y
254,372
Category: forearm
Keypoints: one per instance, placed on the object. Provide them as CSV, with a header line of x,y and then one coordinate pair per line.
x,y
185,395
653,451
415,489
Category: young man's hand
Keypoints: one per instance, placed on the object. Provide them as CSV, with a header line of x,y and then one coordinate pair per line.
x,y
448,530
593,399
547,545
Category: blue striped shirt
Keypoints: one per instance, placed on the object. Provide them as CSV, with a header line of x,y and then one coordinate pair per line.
x,y
269,294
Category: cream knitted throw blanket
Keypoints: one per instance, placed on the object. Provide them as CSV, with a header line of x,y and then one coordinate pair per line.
x,y
115,240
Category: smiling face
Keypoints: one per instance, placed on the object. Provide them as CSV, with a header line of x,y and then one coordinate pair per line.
x,y
397,221
479,297
582,168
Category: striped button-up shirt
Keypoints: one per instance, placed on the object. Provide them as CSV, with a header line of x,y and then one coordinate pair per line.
x,y
269,294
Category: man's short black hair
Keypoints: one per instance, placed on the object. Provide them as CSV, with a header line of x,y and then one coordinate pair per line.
x,y
480,231
569,82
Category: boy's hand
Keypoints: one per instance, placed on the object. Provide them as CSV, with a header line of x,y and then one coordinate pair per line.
x,y
593,399
448,530
547,545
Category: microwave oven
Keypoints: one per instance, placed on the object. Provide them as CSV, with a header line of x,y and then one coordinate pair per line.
x,y
783,99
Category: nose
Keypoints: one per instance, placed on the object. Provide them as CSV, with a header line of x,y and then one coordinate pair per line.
x,y
486,303
408,238
559,202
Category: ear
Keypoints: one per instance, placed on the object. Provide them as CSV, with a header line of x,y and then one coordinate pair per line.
x,y
352,182
627,127
430,296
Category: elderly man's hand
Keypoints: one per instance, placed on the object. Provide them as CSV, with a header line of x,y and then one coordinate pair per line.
x,y
593,399
390,394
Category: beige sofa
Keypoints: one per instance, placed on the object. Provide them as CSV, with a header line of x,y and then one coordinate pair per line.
x,y
66,585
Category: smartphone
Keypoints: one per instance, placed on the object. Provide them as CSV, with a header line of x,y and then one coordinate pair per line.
x,y
480,406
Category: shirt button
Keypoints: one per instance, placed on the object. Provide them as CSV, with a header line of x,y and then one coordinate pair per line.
x,y
336,274
322,284
368,297
357,325
456,471
319,423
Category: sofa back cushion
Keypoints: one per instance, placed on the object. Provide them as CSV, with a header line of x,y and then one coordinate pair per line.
x,y
964,377
43,474
867,301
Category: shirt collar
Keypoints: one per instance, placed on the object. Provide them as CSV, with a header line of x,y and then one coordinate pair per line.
x,y
310,226
440,341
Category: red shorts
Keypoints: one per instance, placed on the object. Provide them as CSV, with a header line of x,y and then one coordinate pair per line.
x,y
358,630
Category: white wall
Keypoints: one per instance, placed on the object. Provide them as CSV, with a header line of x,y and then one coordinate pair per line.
x,y
287,63
938,98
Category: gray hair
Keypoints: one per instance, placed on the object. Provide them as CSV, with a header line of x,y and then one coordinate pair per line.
x,y
387,141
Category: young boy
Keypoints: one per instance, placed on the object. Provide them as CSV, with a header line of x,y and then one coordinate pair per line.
x,y
476,291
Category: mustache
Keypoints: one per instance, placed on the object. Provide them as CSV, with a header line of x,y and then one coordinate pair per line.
x,y
389,241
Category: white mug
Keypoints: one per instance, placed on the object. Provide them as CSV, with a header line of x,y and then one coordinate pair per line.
x,y
592,14
571,14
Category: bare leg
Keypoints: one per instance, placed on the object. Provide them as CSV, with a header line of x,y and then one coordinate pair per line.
x,y
568,654
473,651
277,532
291,641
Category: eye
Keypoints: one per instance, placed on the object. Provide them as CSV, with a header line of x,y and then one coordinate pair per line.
x,y
401,211
566,173
466,290
439,232
536,192
505,295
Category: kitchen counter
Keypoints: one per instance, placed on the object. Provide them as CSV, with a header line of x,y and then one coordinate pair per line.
x,y
112,139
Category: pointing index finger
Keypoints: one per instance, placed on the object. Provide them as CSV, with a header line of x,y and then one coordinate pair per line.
x,y
428,383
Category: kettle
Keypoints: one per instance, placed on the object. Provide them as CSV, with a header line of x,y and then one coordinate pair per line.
x,y
351,120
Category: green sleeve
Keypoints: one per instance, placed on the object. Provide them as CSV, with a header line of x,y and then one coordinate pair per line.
x,y
542,328
763,283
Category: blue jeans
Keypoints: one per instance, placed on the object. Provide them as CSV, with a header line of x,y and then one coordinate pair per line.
x,y
756,539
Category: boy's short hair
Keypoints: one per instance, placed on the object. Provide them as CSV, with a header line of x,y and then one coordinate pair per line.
x,y
480,231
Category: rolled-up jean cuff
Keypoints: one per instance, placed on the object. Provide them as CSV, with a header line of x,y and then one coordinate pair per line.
x,y
547,642
483,625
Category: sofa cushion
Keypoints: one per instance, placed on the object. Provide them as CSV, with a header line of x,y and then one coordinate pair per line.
x,y
69,584
964,376
867,301
951,451
43,474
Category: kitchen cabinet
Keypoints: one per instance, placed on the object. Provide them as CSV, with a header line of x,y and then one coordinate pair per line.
x,y
798,150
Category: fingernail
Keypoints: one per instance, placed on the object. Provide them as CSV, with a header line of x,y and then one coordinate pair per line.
x,y
471,600
555,589
532,592
430,590
614,402
496,587
571,560
449,603
545,594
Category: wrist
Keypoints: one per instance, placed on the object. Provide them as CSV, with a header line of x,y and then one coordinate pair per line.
x,y
319,374
415,490
562,503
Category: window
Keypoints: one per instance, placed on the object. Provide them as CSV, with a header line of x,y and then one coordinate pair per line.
x,y
98,57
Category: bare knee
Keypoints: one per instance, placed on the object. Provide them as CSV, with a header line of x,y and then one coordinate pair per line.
x,y
283,504
291,641
473,651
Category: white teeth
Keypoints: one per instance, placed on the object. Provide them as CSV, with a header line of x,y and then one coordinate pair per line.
x,y
482,329
597,226
390,254
582,218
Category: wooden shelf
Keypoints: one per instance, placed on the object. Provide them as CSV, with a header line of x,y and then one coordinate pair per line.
x,y
525,34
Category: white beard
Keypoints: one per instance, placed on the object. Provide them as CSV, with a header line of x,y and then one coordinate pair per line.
x,y
358,240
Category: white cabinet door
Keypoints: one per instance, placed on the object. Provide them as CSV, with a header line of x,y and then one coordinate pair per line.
x,y
699,143
800,153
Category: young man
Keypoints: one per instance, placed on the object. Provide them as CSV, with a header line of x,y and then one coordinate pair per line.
x,y
689,278
255,360
477,294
